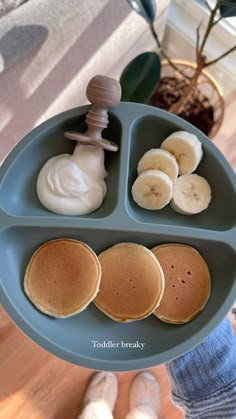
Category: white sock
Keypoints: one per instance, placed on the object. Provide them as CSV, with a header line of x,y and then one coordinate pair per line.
x,y
145,393
141,412
96,410
102,387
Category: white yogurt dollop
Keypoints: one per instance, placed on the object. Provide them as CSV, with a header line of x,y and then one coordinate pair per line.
x,y
73,184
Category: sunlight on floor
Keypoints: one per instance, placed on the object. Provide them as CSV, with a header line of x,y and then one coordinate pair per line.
x,y
14,407
73,93
6,116
60,42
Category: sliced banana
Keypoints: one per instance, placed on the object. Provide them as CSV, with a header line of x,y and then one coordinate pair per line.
x,y
157,159
186,148
152,190
191,194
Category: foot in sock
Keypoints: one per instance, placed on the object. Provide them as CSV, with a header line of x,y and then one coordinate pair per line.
x,y
103,387
145,393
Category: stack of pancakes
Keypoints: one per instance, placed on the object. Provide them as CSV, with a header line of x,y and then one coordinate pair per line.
x,y
172,281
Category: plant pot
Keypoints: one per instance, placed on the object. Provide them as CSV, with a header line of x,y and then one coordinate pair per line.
x,y
204,109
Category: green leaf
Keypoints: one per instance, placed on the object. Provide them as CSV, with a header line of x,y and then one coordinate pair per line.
x,y
227,8
145,8
140,78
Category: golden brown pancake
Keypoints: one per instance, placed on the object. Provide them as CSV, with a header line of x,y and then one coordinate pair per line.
x,y
62,277
132,282
187,283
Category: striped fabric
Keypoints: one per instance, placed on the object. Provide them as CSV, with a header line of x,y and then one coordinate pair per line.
x,y
204,379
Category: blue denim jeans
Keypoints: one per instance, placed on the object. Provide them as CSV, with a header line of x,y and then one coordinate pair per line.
x,y
204,379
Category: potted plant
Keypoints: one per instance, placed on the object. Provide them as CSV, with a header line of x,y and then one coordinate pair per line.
x,y
174,85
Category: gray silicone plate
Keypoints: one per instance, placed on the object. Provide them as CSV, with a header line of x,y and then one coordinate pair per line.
x,y
25,225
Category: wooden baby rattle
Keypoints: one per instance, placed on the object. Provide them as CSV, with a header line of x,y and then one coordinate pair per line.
x,y
103,93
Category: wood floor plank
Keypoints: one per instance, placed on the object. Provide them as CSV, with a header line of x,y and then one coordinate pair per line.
x,y
36,385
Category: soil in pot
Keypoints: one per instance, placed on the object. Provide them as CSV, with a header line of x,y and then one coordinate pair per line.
x,y
198,109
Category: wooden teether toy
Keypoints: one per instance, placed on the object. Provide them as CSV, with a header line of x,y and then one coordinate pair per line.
x,y
103,93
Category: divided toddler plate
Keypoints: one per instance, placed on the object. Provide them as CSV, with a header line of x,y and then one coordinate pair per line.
x,y
90,338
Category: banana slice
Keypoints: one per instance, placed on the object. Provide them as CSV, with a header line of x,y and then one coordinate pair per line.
x,y
157,159
186,148
152,190
191,194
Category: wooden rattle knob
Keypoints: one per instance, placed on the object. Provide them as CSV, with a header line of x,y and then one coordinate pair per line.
x,y
103,93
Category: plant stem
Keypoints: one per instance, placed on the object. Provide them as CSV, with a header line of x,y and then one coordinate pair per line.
x,y
209,27
177,107
207,5
197,43
218,20
221,56
164,53
201,63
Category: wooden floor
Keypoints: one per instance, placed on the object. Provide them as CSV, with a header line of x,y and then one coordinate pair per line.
x,y
37,385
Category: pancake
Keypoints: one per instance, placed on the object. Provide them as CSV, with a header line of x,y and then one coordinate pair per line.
x,y
132,282
187,283
62,277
